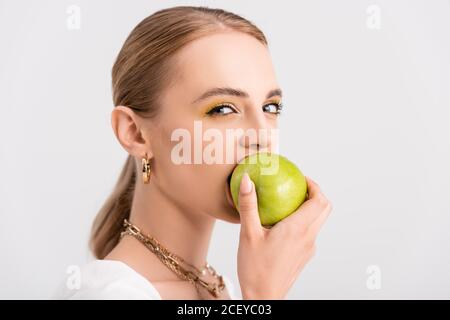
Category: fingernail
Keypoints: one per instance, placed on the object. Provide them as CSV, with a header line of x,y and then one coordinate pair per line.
x,y
246,184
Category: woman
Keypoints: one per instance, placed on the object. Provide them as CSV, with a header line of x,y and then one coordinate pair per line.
x,y
179,67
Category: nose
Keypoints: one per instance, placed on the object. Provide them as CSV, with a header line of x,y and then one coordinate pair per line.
x,y
258,133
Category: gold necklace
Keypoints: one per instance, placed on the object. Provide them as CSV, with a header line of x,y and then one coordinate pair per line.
x,y
174,262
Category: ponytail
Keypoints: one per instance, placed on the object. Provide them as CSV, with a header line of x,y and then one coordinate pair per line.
x,y
108,223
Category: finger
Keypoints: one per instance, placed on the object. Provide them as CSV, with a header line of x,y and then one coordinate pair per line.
x,y
313,187
311,209
248,207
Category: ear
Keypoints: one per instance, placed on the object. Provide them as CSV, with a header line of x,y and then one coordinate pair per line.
x,y
130,131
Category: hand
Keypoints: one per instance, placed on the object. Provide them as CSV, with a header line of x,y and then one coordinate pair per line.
x,y
270,260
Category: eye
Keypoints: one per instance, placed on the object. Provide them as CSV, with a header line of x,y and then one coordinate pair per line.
x,y
222,109
273,108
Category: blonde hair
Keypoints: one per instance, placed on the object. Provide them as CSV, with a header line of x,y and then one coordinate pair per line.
x,y
143,69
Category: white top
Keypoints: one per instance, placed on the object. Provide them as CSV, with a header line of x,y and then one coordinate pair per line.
x,y
111,280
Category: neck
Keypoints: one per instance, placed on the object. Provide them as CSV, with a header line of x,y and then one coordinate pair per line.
x,y
179,229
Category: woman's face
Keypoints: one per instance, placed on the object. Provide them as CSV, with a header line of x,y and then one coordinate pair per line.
x,y
225,60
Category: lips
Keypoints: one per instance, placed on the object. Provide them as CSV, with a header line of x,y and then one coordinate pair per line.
x,y
228,191
229,178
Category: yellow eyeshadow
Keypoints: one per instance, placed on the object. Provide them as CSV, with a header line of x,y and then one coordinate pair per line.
x,y
211,105
274,101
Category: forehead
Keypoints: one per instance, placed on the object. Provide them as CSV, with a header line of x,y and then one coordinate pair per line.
x,y
225,59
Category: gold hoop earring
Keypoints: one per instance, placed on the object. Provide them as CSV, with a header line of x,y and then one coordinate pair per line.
x,y
146,169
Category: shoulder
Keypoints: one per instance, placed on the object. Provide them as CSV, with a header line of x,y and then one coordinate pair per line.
x,y
106,279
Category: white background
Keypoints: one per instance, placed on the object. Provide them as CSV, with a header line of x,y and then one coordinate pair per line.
x,y
366,115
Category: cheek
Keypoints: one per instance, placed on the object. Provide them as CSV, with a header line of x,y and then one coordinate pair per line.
x,y
200,185
190,184
197,186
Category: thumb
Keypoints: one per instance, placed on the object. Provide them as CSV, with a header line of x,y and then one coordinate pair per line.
x,y
248,206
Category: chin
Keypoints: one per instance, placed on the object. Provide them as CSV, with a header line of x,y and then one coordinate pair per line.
x,y
230,218
227,213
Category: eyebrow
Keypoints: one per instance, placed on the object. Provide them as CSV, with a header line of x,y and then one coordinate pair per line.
x,y
234,92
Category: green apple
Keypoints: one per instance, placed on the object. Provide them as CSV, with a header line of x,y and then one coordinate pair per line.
x,y
280,186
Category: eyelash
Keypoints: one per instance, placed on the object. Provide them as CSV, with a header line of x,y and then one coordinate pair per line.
x,y
212,112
